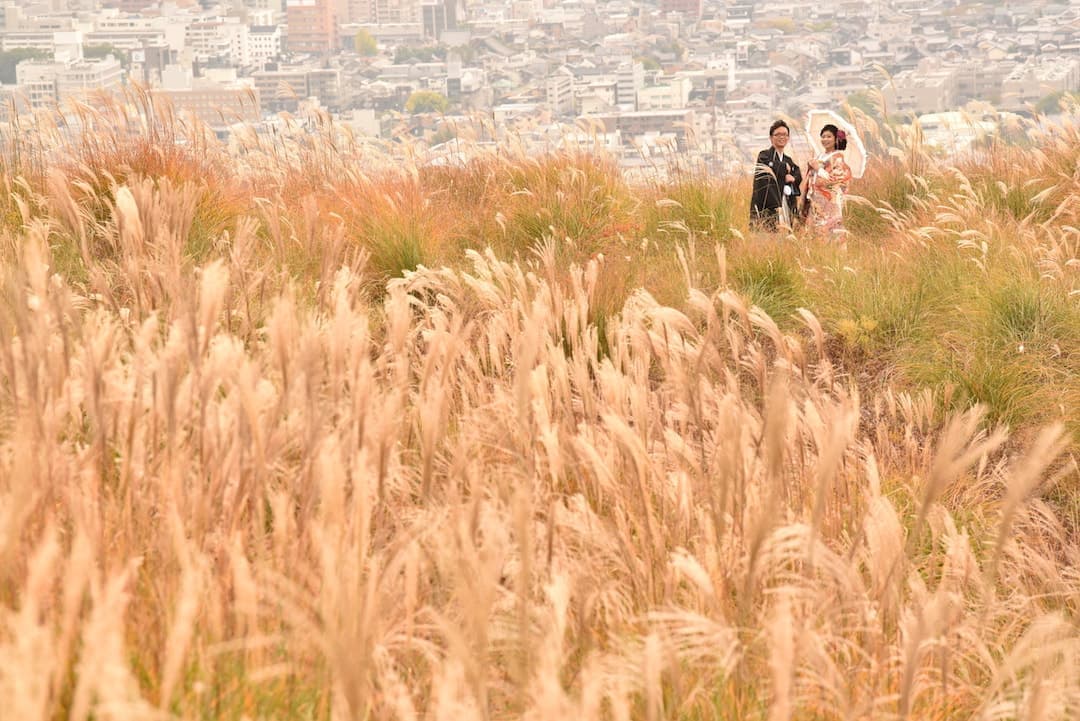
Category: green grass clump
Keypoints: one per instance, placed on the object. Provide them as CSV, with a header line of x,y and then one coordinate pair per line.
x,y
1010,347
770,278
707,207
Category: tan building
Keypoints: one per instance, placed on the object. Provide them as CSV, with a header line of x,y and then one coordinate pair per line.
x,y
921,91
312,26
672,93
130,6
383,12
1029,83
843,81
284,89
215,104
981,80
632,124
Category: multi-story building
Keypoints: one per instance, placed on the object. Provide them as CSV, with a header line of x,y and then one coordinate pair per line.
x,y
559,93
893,27
149,62
128,6
36,83
271,6
630,125
921,91
130,32
385,12
841,82
438,16
127,40
1029,83
629,78
215,104
981,80
30,40
324,84
45,84
209,39
13,102
312,26
670,94
283,89
691,8
264,43
79,78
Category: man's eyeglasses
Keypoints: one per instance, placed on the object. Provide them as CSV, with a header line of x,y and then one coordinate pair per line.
x,y
779,135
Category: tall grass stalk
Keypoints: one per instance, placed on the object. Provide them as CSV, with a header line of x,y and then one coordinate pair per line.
x,y
560,462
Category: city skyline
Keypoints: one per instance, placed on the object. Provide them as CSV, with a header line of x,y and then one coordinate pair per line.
x,y
703,78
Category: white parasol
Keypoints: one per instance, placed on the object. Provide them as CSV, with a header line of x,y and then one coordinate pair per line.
x,y
854,154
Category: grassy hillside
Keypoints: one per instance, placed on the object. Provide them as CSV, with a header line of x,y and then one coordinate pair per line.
x,y
305,432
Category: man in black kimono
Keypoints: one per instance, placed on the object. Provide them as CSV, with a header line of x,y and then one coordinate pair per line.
x,y
776,182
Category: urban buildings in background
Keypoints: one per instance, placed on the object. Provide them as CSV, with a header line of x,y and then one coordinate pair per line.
x,y
645,78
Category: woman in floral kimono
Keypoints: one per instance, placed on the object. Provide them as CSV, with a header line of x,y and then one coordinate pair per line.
x,y
827,182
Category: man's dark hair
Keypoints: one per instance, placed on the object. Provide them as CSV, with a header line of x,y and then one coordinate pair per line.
x,y
778,124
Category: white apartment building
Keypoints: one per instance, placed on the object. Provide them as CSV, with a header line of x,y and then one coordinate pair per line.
x,y
205,39
559,93
130,32
890,29
78,78
670,94
595,96
219,37
126,39
28,18
263,43
36,83
629,79
30,40
1034,80
47,83
110,20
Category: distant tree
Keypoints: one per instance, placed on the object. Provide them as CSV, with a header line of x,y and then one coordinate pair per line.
x,y
104,50
784,25
426,54
10,58
364,43
467,53
648,62
1056,102
864,101
443,135
670,46
427,101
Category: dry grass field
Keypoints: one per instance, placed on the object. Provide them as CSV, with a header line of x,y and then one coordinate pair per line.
x,y
299,433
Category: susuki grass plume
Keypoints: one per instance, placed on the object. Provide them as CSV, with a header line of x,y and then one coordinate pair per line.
x,y
299,438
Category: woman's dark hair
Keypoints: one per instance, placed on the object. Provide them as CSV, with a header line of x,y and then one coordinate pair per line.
x,y
841,139
778,124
